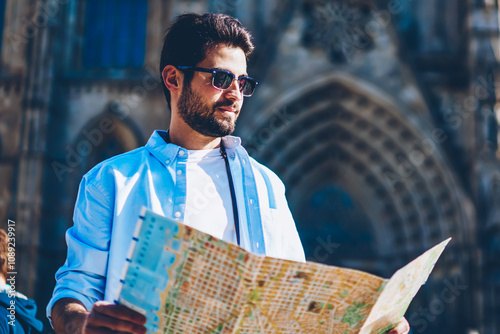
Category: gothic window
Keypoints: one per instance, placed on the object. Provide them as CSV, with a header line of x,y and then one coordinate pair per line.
x,y
340,230
114,34
2,14
105,136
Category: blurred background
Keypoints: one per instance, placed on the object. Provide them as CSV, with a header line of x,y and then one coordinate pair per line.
x,y
381,117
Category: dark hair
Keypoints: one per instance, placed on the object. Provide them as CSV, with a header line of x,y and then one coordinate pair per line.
x,y
191,36
3,253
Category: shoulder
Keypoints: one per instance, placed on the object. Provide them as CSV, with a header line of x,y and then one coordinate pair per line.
x,y
4,321
266,172
123,162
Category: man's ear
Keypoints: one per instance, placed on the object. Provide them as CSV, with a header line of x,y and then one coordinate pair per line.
x,y
172,78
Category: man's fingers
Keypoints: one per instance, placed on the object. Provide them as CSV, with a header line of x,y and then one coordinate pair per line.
x,y
90,330
110,318
402,328
119,312
101,330
97,322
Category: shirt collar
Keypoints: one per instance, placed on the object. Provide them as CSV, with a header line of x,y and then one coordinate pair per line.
x,y
167,153
231,141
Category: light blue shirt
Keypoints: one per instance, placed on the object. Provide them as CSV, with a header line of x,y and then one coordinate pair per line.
x,y
111,196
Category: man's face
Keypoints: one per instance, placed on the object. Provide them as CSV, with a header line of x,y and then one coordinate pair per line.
x,y
206,109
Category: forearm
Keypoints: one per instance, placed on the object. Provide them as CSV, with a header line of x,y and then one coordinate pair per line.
x,y
68,316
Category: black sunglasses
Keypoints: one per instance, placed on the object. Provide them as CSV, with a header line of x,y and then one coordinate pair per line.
x,y
223,79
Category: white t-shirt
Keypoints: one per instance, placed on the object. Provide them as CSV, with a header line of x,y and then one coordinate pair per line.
x,y
208,198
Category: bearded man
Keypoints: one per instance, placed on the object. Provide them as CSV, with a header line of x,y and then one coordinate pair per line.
x,y
195,172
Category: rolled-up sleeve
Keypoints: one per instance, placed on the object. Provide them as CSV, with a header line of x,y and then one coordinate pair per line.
x,y
83,275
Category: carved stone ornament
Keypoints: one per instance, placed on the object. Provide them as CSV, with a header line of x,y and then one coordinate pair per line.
x,y
338,27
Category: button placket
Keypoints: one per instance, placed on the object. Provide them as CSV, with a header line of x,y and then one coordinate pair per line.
x,y
180,185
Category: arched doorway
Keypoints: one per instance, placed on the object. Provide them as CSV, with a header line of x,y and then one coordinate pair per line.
x,y
369,186
106,135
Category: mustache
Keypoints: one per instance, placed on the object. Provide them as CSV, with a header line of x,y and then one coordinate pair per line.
x,y
226,103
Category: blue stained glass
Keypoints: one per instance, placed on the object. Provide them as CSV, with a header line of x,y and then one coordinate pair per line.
x,y
122,32
338,219
108,21
139,36
92,33
115,34
2,14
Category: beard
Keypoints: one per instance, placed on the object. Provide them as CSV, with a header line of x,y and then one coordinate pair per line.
x,y
201,116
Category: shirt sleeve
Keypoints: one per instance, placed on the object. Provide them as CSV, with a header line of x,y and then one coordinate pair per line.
x,y
83,275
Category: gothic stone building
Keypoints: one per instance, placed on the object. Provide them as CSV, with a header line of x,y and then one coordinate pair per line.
x,y
381,118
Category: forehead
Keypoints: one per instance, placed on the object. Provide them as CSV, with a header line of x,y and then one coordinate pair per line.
x,y
226,57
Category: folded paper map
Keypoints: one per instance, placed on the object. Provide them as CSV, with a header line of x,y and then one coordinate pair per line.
x,y
186,281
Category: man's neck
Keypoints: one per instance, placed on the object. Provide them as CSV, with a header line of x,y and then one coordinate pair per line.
x,y
192,140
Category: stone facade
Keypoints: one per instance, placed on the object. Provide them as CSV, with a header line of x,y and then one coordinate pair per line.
x,y
381,117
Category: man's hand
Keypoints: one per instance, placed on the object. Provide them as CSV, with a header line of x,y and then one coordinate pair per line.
x,y
105,316
69,316
402,328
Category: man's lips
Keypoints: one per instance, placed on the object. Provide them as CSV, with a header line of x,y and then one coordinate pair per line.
x,y
228,109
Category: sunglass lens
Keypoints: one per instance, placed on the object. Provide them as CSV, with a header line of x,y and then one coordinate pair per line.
x,y
247,86
222,80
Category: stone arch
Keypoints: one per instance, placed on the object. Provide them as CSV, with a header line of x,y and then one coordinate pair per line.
x,y
110,133
358,164
342,131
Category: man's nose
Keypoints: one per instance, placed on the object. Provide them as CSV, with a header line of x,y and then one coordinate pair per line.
x,y
233,92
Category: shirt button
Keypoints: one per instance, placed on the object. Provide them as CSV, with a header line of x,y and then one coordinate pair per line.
x,y
167,162
181,153
179,172
251,201
177,214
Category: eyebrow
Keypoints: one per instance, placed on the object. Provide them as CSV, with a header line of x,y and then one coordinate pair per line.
x,y
224,69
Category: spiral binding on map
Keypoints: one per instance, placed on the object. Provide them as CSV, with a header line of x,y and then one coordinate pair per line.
x,y
145,274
